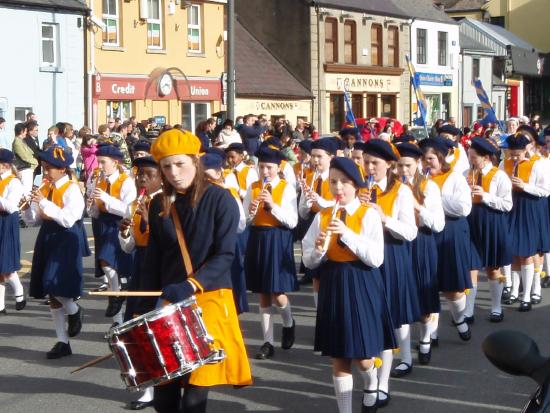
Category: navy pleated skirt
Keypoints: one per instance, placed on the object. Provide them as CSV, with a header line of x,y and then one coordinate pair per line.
x,y
238,277
57,260
269,261
424,264
454,260
134,282
490,233
353,316
528,224
107,246
10,246
400,282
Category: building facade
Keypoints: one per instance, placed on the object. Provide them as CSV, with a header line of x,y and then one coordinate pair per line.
x,y
155,58
44,63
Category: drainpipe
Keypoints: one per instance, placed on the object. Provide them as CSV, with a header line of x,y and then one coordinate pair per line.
x,y
91,68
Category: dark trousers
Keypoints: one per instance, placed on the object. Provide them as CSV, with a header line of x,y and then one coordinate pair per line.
x,y
169,399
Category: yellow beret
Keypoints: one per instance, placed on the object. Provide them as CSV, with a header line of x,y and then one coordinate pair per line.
x,y
175,142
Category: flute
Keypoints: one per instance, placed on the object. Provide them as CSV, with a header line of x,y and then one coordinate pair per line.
x,y
141,196
99,175
253,215
27,199
335,209
427,173
313,179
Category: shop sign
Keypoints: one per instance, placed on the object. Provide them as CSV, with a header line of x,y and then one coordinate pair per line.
x,y
362,83
434,79
276,106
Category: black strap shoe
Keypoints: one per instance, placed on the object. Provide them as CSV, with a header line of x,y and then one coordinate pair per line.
x,y
505,295
3,312
137,405
470,320
288,336
511,300
19,305
535,299
524,307
266,351
114,307
425,358
75,323
496,317
59,350
374,407
397,373
382,401
467,335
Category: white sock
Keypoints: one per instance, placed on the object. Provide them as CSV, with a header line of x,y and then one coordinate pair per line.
x,y
471,302
495,288
546,265
515,284
536,289
527,274
458,307
105,279
425,330
112,278
315,299
385,370
69,305
507,272
434,326
147,395
267,324
370,380
403,335
58,315
15,283
2,296
118,317
286,315
343,389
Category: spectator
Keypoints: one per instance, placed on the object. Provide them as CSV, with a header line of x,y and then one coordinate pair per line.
x,y
89,159
512,125
202,133
466,139
70,142
32,142
25,161
31,117
227,135
117,123
5,141
299,130
289,144
251,131
104,133
51,139
434,131
137,125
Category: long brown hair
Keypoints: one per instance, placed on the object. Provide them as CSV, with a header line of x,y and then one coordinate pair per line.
x,y
197,188
445,167
418,180
391,177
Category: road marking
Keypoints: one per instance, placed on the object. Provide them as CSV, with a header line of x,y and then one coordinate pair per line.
x,y
493,407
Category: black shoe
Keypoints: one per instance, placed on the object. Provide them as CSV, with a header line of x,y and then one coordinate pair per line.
x,y
114,307
46,302
511,300
505,295
19,305
288,336
102,287
59,350
535,299
374,407
524,307
435,342
266,351
3,312
425,358
467,335
75,323
137,405
397,373
545,282
496,317
305,280
382,402
469,320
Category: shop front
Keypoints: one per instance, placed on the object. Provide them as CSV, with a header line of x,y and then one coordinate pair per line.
x,y
290,109
441,93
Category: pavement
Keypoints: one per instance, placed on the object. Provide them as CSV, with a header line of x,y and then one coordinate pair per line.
x,y
458,380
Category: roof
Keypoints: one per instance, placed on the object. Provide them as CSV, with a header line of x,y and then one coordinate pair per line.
x,y
377,7
67,5
258,73
472,45
424,10
500,34
461,5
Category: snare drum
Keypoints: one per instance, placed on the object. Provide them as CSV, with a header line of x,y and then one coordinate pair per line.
x,y
162,345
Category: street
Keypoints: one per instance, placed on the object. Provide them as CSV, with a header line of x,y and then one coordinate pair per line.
x,y
459,378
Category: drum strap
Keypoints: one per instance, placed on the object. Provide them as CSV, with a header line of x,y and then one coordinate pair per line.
x,y
181,241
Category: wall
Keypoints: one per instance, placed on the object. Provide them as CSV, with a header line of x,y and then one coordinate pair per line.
x,y
292,109
469,95
476,15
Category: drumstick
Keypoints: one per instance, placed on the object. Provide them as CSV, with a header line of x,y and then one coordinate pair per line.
x,y
93,362
126,293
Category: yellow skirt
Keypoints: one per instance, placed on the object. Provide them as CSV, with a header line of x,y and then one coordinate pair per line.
x,y
220,317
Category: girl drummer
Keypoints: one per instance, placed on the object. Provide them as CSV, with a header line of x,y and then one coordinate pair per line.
x,y
207,219
271,209
61,243
353,317
11,191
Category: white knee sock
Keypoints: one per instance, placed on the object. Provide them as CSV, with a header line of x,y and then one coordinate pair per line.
x,y
69,305
404,339
471,302
119,317
515,284
267,324
496,287
15,283
343,389
2,296
112,278
507,271
105,279
147,395
385,370
58,315
527,274
316,299
370,380
536,289
286,314
434,326
457,308
425,330
546,265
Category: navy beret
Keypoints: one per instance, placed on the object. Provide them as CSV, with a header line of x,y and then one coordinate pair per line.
x,y
145,161
109,150
529,130
438,144
518,141
6,156
269,155
449,129
405,138
216,151
236,147
212,161
273,141
409,150
142,145
57,156
305,145
483,146
340,144
349,131
359,146
349,168
380,149
328,145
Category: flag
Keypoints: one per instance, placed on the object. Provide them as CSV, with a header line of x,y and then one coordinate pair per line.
x,y
349,111
420,98
490,115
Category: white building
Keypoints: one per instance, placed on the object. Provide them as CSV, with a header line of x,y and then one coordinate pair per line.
x,y
42,68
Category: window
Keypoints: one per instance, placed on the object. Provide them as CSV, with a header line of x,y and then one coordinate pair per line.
x,y
498,21
337,112
376,45
475,70
357,105
350,43
388,106
194,41
20,114
331,40
372,106
442,48
154,24
393,46
421,46
110,19
119,109
194,113
49,45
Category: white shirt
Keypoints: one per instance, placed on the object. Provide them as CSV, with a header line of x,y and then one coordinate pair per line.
x,y
402,223
539,180
251,177
463,164
290,176
9,200
286,213
456,196
431,213
368,245
74,152
114,205
73,207
499,196
305,205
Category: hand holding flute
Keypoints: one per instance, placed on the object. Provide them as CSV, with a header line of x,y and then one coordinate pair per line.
x,y
140,208
335,227
34,196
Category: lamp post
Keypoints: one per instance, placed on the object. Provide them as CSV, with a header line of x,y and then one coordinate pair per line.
x,y
231,59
